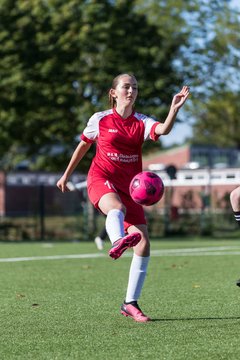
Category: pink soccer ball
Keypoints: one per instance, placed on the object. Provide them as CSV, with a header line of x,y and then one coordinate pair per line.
x,y
146,188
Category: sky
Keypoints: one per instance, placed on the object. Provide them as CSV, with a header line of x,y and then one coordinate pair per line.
x,y
235,3
179,133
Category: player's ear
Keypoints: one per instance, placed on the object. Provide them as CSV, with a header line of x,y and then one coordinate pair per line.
x,y
112,92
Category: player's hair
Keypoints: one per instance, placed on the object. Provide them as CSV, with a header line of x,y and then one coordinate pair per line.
x,y
112,100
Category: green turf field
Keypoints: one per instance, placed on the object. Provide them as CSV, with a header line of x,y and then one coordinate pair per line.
x,y
59,307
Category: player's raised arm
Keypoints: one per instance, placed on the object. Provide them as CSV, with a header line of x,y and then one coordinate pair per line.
x,y
177,102
77,156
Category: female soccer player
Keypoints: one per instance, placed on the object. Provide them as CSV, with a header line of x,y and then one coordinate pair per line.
x,y
119,134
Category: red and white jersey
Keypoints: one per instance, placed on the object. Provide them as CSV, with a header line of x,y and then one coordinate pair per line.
x,y
119,144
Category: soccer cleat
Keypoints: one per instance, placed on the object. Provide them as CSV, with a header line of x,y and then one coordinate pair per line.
x,y
123,244
238,283
133,310
99,243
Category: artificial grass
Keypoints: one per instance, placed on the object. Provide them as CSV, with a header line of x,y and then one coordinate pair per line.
x,y
69,309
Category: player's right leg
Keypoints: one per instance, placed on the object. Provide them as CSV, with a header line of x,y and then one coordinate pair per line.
x,y
111,205
123,244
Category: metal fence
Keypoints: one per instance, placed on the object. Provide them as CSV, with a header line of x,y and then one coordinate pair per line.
x,y
32,208
42,212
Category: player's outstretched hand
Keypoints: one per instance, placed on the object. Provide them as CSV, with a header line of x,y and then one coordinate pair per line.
x,y
180,98
62,184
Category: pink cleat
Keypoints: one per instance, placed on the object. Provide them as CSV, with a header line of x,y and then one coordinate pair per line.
x,y
123,244
133,310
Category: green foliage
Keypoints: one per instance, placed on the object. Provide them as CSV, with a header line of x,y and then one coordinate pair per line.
x,y
36,91
218,120
211,57
58,59
57,62
211,60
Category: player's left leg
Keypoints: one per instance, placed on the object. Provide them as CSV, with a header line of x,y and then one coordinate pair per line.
x,y
137,274
111,205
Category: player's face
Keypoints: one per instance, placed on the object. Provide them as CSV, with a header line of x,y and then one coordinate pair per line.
x,y
126,91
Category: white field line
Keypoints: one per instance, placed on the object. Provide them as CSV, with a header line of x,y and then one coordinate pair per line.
x,y
212,248
207,251
211,253
53,257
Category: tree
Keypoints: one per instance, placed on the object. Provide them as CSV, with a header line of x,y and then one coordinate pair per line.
x,y
211,55
57,61
218,121
211,61
37,71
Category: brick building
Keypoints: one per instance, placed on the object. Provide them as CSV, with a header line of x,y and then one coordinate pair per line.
x,y
202,172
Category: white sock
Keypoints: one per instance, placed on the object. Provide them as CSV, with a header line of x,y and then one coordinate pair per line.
x,y
115,225
137,274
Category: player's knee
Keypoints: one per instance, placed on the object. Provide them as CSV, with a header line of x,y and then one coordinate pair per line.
x,y
123,209
143,247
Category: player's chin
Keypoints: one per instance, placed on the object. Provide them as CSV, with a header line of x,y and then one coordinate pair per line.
x,y
130,102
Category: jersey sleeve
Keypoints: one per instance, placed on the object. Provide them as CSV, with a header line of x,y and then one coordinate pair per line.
x,y
150,125
91,131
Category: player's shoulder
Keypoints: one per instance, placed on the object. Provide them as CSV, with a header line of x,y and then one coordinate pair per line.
x,y
101,114
140,116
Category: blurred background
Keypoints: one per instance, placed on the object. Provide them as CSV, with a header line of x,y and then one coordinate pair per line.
x,y
58,59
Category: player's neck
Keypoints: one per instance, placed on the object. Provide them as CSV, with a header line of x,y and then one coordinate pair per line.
x,y
123,111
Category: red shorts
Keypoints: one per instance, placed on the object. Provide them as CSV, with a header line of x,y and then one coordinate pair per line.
x,y
98,186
